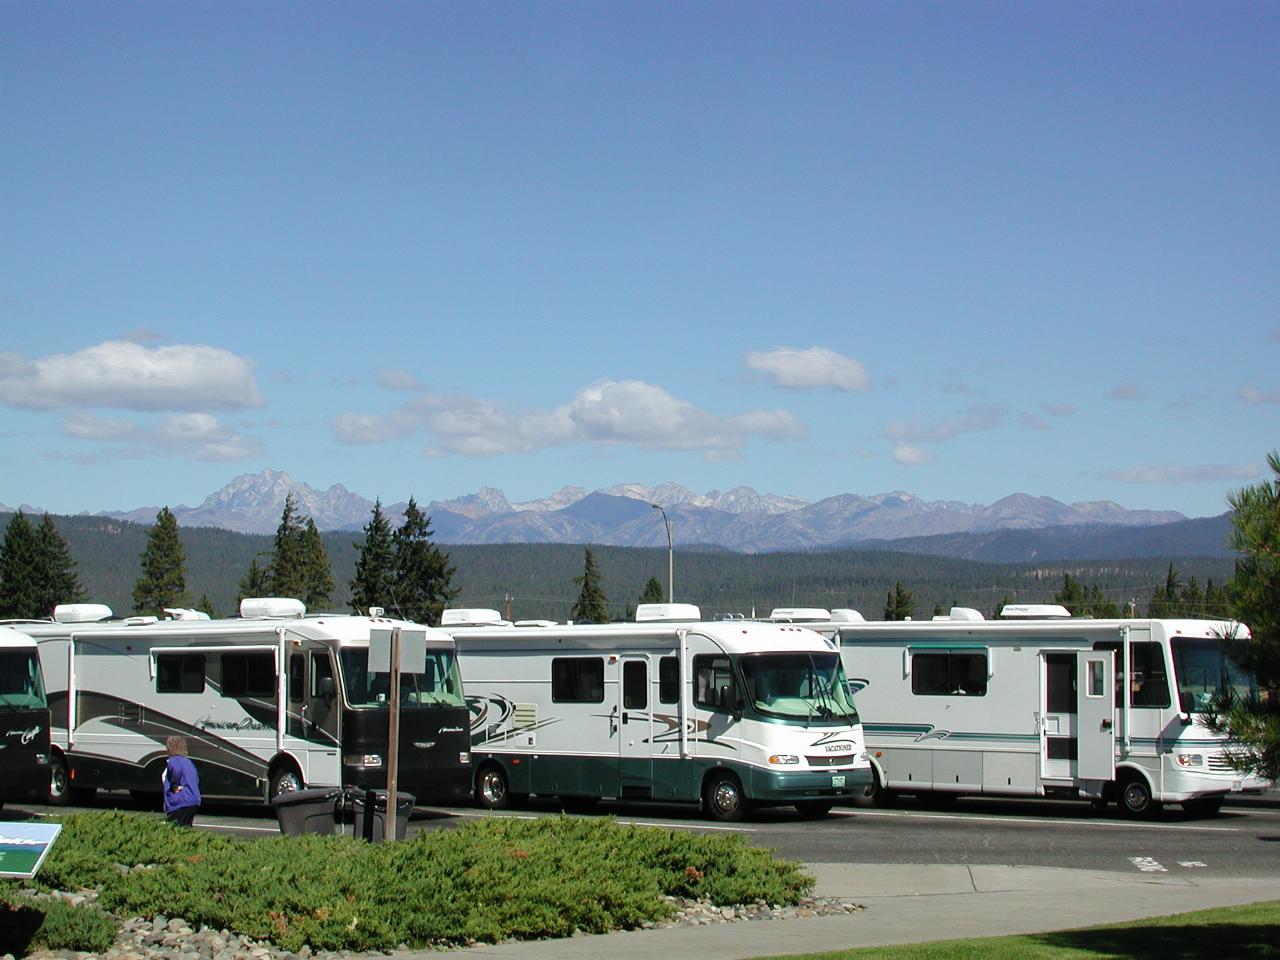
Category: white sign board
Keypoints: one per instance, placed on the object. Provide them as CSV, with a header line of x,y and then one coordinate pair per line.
x,y
413,650
23,847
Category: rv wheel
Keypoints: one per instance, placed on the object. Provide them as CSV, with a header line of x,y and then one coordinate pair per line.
x,y
1135,797
285,779
723,799
492,791
59,781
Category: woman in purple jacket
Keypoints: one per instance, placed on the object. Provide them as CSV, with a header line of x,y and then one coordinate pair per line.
x,y
181,784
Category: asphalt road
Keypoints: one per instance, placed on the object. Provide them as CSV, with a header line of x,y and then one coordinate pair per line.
x,y
1244,841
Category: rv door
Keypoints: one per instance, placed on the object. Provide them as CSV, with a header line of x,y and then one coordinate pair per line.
x,y
635,730
1096,724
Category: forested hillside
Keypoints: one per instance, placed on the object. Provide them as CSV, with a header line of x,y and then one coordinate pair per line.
x,y
539,578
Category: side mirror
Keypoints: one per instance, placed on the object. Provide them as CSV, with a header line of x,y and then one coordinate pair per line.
x,y
327,688
1186,701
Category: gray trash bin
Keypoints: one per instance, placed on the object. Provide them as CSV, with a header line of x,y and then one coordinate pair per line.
x,y
372,824
308,811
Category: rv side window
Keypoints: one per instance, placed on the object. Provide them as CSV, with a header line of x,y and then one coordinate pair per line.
x,y
321,670
669,680
1148,679
577,680
248,675
179,673
297,665
713,683
949,674
635,685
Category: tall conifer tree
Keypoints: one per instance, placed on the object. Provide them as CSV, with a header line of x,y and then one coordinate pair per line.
x,y
21,597
590,605
375,565
164,569
318,574
58,580
423,576
653,592
288,560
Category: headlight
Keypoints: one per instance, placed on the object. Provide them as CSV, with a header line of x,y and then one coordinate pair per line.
x,y
784,758
362,759
1189,759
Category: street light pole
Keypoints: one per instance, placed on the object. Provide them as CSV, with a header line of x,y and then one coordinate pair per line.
x,y
671,556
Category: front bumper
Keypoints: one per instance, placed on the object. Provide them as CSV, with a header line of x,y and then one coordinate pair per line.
x,y
775,786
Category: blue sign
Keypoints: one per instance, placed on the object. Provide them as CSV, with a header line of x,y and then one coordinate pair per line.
x,y
23,847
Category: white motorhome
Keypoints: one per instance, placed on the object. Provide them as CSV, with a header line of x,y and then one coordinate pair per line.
x,y
1044,705
24,719
731,714
272,701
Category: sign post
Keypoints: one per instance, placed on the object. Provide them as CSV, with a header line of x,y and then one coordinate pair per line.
x,y
395,651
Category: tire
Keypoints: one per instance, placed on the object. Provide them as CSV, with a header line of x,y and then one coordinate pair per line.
x,y
879,795
1135,797
723,799
1203,806
814,809
285,778
59,781
493,792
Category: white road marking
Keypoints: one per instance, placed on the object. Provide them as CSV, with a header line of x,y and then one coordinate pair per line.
x,y
1192,863
1148,865
1039,821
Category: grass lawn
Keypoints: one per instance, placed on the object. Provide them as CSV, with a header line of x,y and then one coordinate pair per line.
x,y
1228,933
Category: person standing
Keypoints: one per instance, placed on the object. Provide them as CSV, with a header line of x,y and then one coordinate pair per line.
x,y
181,784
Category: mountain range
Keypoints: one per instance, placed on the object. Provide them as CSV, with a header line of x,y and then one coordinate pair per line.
x,y
740,519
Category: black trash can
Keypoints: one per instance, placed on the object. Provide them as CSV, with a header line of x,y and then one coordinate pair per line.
x,y
370,824
308,811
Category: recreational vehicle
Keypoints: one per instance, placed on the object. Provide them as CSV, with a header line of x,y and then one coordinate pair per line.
x,y
24,720
272,701
731,714
1043,704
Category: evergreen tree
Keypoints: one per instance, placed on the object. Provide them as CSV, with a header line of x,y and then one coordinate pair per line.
x,y
57,576
255,583
590,605
317,573
653,592
1255,594
1001,604
900,604
1165,600
423,576
375,565
164,569
1217,601
289,559
206,606
21,594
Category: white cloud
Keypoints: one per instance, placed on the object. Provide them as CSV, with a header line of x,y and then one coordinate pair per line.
x,y
197,436
1059,409
122,375
974,420
607,412
1127,391
1251,394
398,380
799,369
1175,474
911,456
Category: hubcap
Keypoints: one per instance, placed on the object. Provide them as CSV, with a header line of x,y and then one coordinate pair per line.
x,y
726,797
1135,797
491,788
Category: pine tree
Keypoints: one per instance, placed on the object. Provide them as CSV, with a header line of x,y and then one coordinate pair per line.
x,y
206,606
1255,595
164,569
375,565
255,583
653,592
21,595
900,604
590,605
317,572
1001,604
57,575
1164,602
423,576
289,559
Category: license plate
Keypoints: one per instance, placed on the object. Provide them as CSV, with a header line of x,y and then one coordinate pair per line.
x,y
837,781
1236,786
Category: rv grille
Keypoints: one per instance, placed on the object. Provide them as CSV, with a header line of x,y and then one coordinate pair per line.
x,y
835,760
1218,762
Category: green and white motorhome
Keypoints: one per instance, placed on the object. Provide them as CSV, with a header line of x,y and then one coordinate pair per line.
x,y
1043,704
731,714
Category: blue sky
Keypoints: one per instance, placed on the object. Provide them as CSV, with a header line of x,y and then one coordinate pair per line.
x,y
961,250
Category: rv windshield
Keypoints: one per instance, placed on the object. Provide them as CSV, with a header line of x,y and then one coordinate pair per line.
x,y
20,684
440,685
799,686
1205,672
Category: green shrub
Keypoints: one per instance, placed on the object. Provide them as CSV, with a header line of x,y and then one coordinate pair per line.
x,y
26,924
489,880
